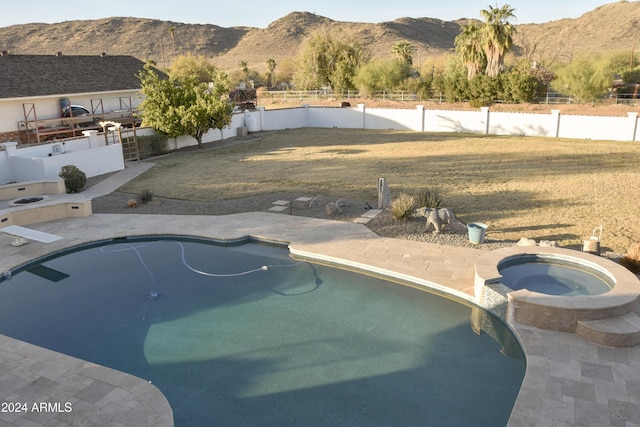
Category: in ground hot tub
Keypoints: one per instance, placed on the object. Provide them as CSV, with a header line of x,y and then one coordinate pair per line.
x,y
561,290
553,276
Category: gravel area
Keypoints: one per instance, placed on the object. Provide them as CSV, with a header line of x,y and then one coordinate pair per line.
x,y
384,225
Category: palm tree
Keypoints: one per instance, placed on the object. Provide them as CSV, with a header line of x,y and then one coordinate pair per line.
x,y
469,46
497,36
245,69
271,66
404,50
172,31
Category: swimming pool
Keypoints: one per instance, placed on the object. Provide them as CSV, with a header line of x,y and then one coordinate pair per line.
x,y
245,335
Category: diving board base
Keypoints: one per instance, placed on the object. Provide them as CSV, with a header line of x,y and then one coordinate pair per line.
x,y
19,241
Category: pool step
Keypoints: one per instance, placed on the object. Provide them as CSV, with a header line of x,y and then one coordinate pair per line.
x,y
622,331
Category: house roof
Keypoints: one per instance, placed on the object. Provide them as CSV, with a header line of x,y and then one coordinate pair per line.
x,y
42,75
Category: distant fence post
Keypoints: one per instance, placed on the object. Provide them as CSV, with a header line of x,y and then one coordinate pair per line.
x,y
555,114
420,109
363,111
261,116
485,116
633,117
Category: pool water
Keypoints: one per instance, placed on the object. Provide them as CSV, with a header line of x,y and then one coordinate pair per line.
x,y
552,277
246,335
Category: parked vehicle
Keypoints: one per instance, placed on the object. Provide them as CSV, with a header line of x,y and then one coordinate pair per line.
x,y
75,111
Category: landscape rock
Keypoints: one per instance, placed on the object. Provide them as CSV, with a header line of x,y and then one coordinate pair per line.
x,y
315,202
333,209
526,242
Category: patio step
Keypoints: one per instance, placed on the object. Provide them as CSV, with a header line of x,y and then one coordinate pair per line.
x,y
622,331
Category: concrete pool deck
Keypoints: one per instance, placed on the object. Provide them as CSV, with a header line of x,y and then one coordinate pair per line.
x,y
569,380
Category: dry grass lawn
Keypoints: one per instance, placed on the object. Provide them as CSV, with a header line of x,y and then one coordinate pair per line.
x,y
541,188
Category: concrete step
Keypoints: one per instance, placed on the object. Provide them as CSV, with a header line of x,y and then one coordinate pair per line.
x,y
622,331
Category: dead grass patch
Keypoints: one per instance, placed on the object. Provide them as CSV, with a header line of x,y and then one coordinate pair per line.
x,y
541,188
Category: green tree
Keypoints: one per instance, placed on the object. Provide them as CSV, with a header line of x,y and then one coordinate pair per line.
x,y
326,61
453,81
497,36
588,77
631,76
483,90
193,65
183,105
404,51
379,75
520,84
468,45
245,69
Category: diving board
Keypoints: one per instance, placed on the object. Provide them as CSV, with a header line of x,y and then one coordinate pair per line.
x,y
23,235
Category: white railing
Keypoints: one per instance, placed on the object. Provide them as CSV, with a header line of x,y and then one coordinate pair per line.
x,y
391,95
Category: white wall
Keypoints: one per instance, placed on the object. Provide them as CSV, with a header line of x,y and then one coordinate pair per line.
x,y
594,127
237,121
455,121
6,174
336,117
525,124
43,162
396,119
289,118
96,161
481,121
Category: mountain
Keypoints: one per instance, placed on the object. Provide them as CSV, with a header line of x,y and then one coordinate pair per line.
x,y
608,27
613,26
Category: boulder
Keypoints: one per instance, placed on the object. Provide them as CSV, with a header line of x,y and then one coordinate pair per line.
x,y
315,202
332,209
526,242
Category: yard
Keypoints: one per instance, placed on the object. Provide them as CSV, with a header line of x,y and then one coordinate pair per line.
x,y
540,188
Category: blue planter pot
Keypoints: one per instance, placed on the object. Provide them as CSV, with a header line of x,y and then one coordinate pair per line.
x,y
477,231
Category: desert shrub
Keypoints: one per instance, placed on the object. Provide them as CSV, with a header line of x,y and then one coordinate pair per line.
x,y
632,259
146,196
430,198
74,178
402,207
152,145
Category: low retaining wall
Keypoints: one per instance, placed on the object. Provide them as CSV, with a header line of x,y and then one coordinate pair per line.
x,y
31,188
45,211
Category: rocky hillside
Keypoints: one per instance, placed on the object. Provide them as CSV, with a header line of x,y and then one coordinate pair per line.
x,y
612,26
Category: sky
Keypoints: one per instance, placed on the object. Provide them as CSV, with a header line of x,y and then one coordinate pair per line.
x,y
260,13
